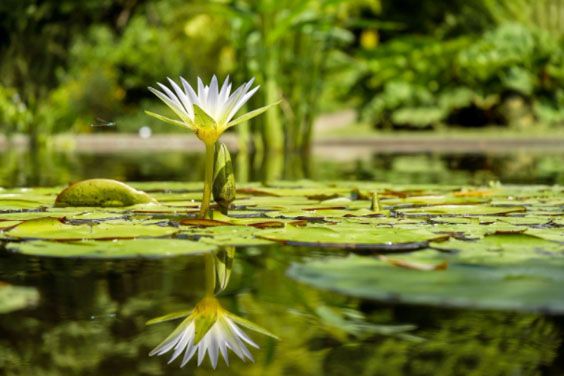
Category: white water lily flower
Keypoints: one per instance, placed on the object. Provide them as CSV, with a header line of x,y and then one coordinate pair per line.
x,y
208,328
209,111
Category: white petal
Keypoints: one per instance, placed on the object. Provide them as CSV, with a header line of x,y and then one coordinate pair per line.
x,y
190,92
202,348
224,92
242,334
179,111
190,351
223,349
202,95
183,98
238,343
170,95
231,102
241,102
185,340
164,347
215,337
230,339
207,96
213,97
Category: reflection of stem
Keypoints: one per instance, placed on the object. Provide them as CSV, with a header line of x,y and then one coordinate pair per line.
x,y
210,274
208,180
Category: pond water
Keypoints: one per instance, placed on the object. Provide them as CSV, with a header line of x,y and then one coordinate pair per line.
x,y
47,168
90,319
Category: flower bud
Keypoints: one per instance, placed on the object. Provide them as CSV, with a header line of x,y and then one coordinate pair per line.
x,y
224,180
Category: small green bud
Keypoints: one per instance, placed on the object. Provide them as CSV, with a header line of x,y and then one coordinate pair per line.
x,y
224,180
223,265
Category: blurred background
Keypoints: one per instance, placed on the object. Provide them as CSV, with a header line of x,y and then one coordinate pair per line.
x,y
470,91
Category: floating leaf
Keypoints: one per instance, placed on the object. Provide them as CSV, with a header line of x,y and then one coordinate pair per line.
x,y
235,235
53,228
529,287
136,248
101,193
455,210
352,237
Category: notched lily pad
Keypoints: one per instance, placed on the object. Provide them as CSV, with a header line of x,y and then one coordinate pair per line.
x,y
101,193
136,248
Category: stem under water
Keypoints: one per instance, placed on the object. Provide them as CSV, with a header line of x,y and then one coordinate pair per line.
x,y
210,274
208,180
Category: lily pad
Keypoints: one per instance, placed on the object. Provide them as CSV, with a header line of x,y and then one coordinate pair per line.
x,y
136,248
232,235
502,247
520,286
353,237
101,193
53,228
456,210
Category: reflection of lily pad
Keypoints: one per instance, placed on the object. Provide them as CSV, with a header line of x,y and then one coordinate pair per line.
x,y
528,286
13,298
146,248
353,236
52,228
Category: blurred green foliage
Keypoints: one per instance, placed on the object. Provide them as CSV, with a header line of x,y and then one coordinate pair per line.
x,y
407,64
506,69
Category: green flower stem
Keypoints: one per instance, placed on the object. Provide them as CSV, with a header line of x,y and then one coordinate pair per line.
x,y
208,179
210,274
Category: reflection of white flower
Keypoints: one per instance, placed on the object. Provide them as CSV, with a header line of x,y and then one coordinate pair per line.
x,y
208,328
209,112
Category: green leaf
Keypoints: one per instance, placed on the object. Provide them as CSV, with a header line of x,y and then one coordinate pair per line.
x,y
203,324
455,210
136,248
170,316
237,236
252,326
252,114
168,120
351,236
52,228
202,119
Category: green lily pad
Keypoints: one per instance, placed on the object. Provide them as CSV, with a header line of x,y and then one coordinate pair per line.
x,y
19,204
353,237
233,235
52,228
136,248
7,224
101,193
456,210
13,298
520,286
555,234
168,187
